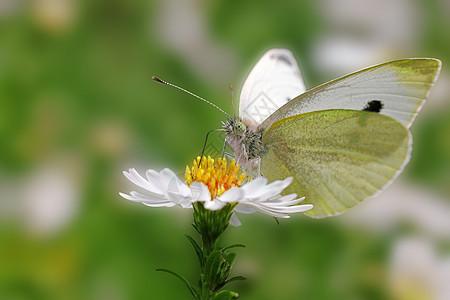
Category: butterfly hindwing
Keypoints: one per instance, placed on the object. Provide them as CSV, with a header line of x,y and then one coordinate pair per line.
x,y
397,89
337,157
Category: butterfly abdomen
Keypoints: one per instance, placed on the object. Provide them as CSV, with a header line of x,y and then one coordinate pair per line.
x,y
253,143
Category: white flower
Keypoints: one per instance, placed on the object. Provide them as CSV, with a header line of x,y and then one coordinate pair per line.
x,y
166,189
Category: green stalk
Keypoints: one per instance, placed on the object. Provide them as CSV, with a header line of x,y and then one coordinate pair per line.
x,y
215,262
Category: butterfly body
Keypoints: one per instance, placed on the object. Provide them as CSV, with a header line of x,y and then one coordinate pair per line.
x,y
343,141
245,139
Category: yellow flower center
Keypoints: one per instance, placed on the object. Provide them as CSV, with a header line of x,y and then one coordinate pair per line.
x,y
216,175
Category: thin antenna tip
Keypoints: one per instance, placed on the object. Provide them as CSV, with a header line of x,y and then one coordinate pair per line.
x,y
158,80
186,91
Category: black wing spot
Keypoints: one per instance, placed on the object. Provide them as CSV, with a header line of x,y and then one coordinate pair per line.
x,y
373,106
283,58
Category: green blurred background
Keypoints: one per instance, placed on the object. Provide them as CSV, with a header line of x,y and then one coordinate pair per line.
x,y
78,106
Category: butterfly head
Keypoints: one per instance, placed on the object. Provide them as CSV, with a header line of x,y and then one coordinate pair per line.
x,y
239,127
235,127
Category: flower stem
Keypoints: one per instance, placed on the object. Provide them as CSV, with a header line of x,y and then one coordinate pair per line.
x,y
215,262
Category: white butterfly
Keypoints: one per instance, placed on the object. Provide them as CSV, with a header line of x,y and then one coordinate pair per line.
x,y
343,141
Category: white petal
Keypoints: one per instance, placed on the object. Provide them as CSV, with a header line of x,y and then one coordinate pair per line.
x,y
299,208
167,175
177,191
199,192
234,220
277,204
128,197
168,180
244,209
179,199
162,189
280,184
254,186
286,182
186,202
168,204
232,195
290,199
154,178
269,212
150,197
153,195
266,198
147,200
268,191
280,211
215,204
177,186
137,179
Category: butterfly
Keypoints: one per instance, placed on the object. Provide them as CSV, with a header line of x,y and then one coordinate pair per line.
x,y
343,141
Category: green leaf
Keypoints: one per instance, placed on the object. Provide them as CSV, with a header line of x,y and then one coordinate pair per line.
x,y
235,278
188,285
197,248
226,295
234,246
212,266
230,257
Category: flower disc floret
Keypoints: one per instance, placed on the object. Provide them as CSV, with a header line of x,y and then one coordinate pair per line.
x,y
216,175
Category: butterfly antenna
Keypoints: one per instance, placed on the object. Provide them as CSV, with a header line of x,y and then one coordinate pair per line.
x,y
232,102
190,93
206,140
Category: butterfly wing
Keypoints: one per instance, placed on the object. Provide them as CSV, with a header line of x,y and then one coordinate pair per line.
x,y
274,80
337,157
396,89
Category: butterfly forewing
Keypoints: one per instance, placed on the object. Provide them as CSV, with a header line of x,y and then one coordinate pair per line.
x,y
398,89
337,157
274,81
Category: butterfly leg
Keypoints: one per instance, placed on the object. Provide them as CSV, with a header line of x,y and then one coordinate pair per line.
x,y
259,166
254,167
229,155
206,140
223,148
